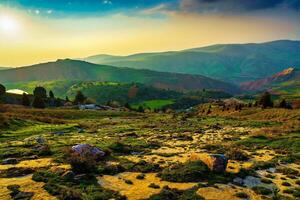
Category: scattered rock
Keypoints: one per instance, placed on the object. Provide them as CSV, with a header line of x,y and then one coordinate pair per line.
x,y
215,162
86,150
251,181
10,161
238,181
59,133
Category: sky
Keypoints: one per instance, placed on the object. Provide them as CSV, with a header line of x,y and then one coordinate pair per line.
x,y
36,31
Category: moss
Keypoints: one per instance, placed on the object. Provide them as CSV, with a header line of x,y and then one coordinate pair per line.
x,y
242,195
188,172
262,190
153,185
174,194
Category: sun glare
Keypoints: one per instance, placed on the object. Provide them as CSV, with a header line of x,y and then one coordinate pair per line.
x,y
8,24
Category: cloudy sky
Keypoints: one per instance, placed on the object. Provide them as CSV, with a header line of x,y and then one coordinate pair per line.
x,y
34,31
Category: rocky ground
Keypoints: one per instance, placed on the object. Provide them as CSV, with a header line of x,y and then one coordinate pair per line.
x,y
248,154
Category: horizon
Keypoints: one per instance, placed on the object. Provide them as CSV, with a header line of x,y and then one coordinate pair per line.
x,y
149,52
37,32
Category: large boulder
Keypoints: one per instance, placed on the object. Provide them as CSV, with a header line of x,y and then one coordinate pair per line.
x,y
85,150
215,162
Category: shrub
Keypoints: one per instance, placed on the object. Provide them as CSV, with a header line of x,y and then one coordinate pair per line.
x,y
192,171
236,154
175,194
265,100
40,92
25,100
153,185
262,190
2,90
38,102
242,195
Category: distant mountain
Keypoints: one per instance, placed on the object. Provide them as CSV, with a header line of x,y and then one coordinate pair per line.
x,y
286,82
229,62
84,71
3,68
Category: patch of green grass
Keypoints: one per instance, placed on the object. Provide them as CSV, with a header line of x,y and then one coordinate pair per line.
x,y
154,104
289,142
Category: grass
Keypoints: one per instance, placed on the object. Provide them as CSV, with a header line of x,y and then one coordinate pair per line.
x,y
129,139
154,104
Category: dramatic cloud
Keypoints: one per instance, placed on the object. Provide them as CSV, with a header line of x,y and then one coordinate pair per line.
x,y
235,6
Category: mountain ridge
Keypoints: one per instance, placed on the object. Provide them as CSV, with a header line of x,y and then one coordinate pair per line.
x,y
245,62
80,70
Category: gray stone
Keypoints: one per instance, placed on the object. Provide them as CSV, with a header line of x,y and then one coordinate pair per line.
x,y
251,181
86,149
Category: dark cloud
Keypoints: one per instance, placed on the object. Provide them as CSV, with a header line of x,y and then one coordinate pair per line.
x,y
234,6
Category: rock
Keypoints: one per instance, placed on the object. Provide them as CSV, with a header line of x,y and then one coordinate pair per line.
x,y
251,181
86,149
238,181
40,140
9,161
215,162
59,133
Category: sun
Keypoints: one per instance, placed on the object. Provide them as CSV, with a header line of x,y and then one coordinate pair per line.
x,y
8,24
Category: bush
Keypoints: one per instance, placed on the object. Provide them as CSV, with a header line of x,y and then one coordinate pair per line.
x,y
192,171
236,154
262,190
2,90
175,194
38,102
242,195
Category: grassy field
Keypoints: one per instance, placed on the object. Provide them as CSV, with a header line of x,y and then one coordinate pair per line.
x,y
145,152
154,104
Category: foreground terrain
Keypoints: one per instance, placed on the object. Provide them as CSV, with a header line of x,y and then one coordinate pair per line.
x,y
151,155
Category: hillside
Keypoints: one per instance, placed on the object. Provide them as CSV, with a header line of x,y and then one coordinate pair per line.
x,y
285,83
245,62
83,71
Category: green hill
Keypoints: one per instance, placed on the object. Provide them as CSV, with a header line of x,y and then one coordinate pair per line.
x,y
229,62
285,83
73,70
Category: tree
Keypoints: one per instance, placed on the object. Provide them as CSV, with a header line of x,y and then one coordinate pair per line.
x,y
67,99
283,104
79,98
40,92
25,100
2,90
51,94
38,102
266,100
141,109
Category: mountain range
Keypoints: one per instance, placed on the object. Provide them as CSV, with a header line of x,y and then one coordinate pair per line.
x,y
80,70
234,63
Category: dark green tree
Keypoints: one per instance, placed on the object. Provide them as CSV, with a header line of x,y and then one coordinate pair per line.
x,y
25,100
266,100
67,99
282,104
2,90
40,92
79,98
141,109
38,102
51,94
